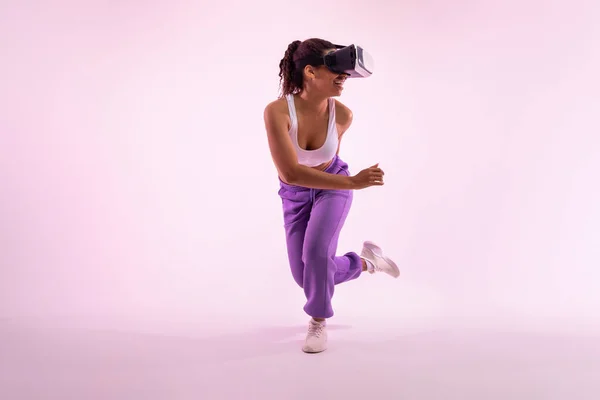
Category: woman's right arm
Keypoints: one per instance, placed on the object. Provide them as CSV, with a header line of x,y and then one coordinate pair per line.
x,y
286,161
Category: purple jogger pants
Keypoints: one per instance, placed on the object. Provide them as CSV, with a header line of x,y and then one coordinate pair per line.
x,y
313,219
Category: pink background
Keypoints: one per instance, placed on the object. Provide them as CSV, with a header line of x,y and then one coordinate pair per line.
x,y
136,178
142,249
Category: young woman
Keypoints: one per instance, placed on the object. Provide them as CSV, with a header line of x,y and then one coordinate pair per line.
x,y
304,128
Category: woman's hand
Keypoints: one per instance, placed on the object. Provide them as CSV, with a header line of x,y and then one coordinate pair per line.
x,y
372,176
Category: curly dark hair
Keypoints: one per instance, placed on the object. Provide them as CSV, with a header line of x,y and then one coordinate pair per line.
x,y
297,56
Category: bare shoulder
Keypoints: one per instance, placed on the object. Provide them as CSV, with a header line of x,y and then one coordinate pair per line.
x,y
276,107
276,116
343,115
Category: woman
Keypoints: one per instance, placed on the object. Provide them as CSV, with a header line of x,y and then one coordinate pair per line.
x,y
304,128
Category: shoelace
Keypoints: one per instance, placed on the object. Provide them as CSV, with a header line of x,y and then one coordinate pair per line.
x,y
315,330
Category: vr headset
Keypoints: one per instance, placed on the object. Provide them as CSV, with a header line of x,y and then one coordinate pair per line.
x,y
351,60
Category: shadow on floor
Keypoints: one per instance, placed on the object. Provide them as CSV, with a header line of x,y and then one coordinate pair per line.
x,y
48,363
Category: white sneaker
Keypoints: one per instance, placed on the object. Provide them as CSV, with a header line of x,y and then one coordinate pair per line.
x,y
373,253
316,338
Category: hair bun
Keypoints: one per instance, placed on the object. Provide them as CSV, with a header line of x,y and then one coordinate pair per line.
x,y
293,47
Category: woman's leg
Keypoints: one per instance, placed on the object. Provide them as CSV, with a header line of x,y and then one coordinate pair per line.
x,y
322,268
297,205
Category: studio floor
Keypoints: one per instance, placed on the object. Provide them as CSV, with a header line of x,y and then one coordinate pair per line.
x,y
73,358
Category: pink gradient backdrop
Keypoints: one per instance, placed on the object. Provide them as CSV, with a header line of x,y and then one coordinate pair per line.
x,y
136,177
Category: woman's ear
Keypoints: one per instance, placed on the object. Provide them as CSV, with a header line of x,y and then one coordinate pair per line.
x,y
309,72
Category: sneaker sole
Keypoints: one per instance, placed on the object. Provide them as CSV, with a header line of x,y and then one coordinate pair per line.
x,y
310,351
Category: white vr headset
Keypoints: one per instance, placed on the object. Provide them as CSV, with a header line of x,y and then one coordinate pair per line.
x,y
351,60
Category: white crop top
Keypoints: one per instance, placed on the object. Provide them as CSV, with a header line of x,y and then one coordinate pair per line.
x,y
312,158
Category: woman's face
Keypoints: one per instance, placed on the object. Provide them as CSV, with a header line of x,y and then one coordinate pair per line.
x,y
323,80
329,82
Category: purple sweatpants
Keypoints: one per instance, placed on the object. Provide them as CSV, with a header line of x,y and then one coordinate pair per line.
x,y
313,219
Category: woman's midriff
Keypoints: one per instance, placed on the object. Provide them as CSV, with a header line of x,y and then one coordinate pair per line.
x,y
324,166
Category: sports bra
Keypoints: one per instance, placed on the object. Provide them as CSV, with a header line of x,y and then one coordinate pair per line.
x,y
312,158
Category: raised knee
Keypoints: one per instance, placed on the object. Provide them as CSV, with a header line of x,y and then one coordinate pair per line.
x,y
314,251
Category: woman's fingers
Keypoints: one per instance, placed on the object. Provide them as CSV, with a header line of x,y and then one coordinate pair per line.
x,y
376,178
375,175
